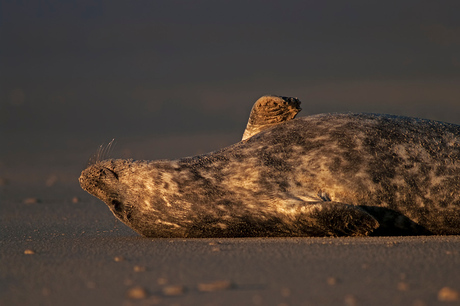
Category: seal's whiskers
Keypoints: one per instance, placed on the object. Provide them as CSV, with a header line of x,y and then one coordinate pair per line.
x,y
102,153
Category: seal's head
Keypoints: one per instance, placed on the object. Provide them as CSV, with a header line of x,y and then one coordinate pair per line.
x,y
101,180
269,111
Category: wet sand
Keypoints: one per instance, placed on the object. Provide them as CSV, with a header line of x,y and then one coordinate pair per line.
x,y
81,255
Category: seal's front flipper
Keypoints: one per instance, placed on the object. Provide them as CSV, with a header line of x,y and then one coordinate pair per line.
x,y
335,219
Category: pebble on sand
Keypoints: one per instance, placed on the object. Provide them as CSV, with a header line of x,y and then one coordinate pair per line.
x,y
46,292
350,300
31,201
403,286
173,290
137,293
419,302
286,292
139,269
332,281
447,294
162,281
215,286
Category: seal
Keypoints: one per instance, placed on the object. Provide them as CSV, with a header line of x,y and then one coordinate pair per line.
x,y
322,175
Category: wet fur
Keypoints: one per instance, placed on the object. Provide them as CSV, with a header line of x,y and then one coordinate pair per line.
x,y
323,175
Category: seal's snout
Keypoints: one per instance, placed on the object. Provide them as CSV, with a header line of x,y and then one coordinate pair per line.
x,y
101,181
98,180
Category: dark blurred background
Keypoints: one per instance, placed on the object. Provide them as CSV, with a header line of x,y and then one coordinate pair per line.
x,y
175,78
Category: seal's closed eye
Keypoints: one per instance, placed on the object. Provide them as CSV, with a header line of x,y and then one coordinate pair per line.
x,y
109,172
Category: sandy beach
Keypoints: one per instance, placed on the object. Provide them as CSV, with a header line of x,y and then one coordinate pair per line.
x,y
100,261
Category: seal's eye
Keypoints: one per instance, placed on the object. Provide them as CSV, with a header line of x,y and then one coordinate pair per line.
x,y
117,205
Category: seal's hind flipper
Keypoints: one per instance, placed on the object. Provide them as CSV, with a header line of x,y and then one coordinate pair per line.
x,y
335,219
269,111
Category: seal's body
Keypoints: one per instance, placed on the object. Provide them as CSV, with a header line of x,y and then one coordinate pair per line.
x,y
323,175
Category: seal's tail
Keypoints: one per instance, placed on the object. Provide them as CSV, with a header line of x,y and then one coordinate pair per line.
x,y
102,153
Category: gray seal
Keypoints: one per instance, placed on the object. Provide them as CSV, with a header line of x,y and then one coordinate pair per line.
x,y
322,175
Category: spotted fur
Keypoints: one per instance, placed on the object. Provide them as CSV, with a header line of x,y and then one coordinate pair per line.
x,y
323,175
